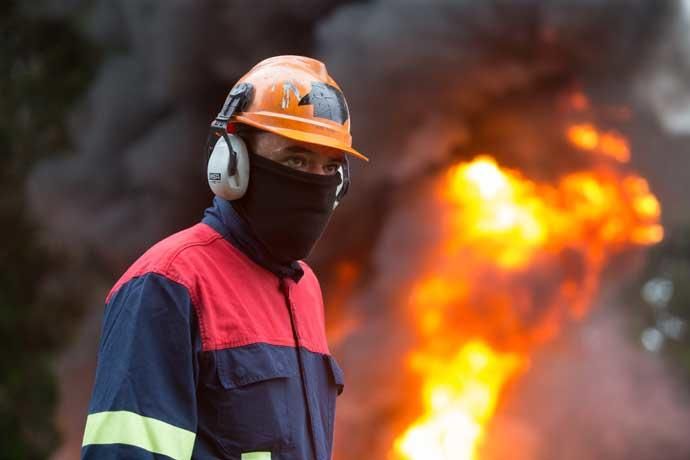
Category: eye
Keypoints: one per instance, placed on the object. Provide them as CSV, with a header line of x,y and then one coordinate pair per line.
x,y
295,162
331,168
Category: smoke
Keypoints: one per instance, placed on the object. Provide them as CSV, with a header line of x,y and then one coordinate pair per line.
x,y
469,76
662,89
593,394
664,85
427,84
139,129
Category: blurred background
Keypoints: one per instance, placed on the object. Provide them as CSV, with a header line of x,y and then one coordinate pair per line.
x,y
509,278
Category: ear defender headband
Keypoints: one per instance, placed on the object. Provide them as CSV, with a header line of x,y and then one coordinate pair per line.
x,y
226,154
227,160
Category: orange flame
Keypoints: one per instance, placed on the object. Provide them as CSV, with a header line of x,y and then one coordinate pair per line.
x,y
341,322
472,305
611,144
460,397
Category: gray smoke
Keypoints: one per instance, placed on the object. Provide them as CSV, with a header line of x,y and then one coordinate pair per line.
x,y
664,85
593,394
428,83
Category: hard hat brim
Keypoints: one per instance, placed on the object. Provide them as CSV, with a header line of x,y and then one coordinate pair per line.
x,y
301,136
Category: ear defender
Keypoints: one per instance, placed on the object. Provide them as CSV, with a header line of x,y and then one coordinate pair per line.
x,y
228,168
227,160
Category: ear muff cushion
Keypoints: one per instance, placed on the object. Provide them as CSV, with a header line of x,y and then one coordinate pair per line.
x,y
221,182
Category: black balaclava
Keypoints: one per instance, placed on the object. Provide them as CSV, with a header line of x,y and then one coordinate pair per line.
x,y
287,209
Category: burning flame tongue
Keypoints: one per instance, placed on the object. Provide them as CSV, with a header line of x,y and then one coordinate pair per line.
x,y
497,228
459,396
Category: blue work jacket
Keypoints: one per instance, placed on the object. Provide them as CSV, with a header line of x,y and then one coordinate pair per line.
x,y
211,350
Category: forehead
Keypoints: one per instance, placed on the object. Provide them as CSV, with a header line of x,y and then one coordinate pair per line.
x,y
269,142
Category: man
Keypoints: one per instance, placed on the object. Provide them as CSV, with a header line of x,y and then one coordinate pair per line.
x,y
213,343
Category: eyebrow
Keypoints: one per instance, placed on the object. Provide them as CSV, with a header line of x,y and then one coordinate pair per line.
x,y
296,149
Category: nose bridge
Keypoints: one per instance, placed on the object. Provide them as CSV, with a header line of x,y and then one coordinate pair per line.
x,y
315,162
316,167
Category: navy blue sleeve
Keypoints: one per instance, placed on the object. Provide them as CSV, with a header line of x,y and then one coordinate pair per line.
x,y
144,398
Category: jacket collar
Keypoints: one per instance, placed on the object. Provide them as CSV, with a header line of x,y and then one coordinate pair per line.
x,y
223,218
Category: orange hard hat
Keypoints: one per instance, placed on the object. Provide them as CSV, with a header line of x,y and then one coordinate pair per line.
x,y
294,97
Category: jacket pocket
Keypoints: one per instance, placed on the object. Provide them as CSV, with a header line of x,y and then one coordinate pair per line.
x,y
252,411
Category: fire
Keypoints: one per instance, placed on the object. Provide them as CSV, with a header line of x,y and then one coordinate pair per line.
x,y
460,396
587,137
476,315
498,206
508,218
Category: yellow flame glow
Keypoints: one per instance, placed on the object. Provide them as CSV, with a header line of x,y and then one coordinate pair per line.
x,y
497,220
460,396
508,218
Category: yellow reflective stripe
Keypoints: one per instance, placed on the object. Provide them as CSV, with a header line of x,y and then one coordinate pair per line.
x,y
256,456
123,427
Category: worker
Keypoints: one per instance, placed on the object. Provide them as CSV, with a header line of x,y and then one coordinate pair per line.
x,y
213,343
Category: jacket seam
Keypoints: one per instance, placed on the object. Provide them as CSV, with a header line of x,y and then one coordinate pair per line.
x,y
306,344
210,239
169,272
192,297
192,293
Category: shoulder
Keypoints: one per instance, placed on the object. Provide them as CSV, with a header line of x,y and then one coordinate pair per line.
x,y
176,257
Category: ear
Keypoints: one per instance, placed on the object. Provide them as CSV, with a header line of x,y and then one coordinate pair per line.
x,y
228,168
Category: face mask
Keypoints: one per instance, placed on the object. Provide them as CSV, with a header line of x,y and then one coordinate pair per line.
x,y
287,209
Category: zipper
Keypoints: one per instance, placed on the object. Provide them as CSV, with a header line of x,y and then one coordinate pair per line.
x,y
285,288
